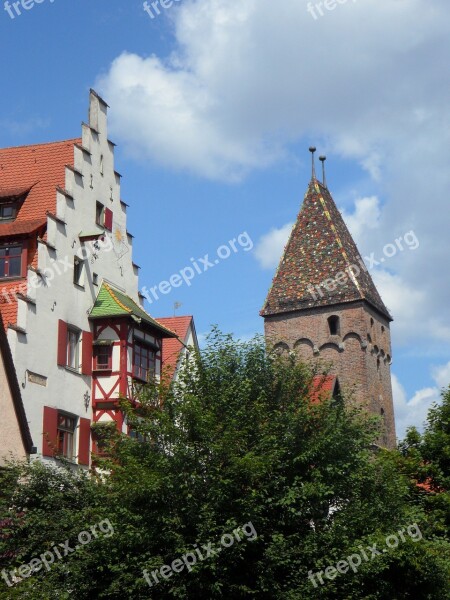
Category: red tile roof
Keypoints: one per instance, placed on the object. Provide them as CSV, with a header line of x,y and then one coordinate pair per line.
x,y
322,388
21,227
36,171
39,168
172,346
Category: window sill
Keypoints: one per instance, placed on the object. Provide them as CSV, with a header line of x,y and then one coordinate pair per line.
x,y
79,286
102,371
15,278
74,371
139,380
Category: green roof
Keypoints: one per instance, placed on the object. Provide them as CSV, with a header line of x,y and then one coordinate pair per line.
x,y
110,302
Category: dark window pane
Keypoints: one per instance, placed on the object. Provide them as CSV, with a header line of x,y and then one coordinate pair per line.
x,y
15,267
7,212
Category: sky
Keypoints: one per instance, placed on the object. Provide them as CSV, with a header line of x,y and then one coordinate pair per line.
x,y
213,105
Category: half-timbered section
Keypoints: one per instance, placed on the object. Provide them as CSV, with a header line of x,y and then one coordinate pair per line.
x,y
127,350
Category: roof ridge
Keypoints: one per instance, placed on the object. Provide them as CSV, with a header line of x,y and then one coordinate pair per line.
x,y
338,239
54,143
110,289
125,308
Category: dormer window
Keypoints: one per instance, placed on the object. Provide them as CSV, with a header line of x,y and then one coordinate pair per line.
x,y
8,212
10,203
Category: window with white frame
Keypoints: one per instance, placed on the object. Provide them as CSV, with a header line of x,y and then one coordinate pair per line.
x,y
73,348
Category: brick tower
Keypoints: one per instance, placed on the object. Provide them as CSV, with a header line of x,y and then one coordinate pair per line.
x,y
324,305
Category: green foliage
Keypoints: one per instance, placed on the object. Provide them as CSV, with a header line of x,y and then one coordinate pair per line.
x,y
234,441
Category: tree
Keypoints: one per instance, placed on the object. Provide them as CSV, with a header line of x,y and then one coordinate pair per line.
x,y
234,457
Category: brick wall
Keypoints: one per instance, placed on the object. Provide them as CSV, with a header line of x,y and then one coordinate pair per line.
x,y
360,354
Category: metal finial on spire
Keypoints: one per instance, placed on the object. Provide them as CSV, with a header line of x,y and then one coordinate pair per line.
x,y
312,149
322,160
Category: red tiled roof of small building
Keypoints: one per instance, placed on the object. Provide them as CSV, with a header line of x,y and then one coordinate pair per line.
x,y
173,346
323,387
320,247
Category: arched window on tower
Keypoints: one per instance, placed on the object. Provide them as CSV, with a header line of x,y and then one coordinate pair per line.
x,y
333,325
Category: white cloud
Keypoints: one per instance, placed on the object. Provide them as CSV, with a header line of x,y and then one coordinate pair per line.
x,y
270,247
246,79
365,216
414,411
442,375
405,302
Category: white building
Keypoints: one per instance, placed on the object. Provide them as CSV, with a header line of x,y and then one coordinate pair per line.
x,y
69,288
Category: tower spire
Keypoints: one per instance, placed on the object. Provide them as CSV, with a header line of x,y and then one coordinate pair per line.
x,y
322,160
312,149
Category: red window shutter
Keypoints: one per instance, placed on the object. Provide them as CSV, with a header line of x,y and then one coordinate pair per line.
x,y
86,364
50,431
62,343
24,260
84,445
108,219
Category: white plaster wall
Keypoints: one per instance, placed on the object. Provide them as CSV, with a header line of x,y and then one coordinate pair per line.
x,y
57,297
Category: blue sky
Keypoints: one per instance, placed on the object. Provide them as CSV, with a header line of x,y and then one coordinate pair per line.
x,y
213,106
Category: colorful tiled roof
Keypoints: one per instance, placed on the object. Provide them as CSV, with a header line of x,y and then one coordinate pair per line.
x,y
172,347
319,248
111,302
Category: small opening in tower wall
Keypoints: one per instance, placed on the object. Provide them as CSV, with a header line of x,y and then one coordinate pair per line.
x,y
333,325
371,322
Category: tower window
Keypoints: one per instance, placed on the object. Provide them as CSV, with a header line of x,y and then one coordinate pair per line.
x,y
333,325
371,322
